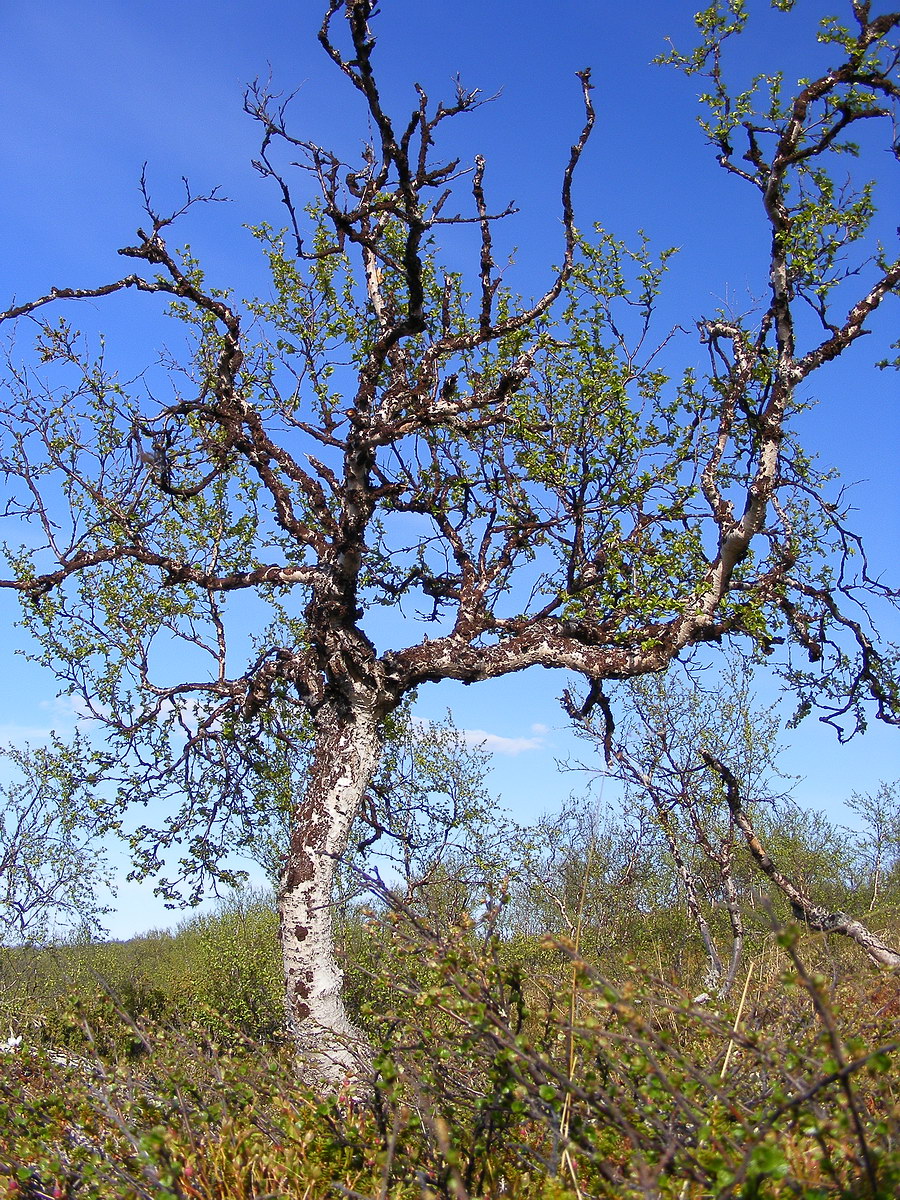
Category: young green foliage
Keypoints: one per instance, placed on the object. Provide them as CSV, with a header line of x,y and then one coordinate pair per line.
x,y
522,482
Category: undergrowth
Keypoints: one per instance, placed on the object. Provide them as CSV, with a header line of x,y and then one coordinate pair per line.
x,y
506,1066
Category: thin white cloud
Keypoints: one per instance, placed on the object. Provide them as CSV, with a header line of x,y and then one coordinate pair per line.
x,y
73,707
22,735
495,744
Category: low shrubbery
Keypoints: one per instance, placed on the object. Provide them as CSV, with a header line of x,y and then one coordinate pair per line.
x,y
221,972
508,1066
535,1034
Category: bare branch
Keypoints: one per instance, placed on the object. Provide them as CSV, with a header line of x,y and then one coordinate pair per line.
x,y
813,914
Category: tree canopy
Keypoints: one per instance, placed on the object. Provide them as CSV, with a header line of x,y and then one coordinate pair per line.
x,y
527,481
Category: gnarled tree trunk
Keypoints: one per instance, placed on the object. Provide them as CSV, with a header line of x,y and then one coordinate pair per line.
x,y
347,749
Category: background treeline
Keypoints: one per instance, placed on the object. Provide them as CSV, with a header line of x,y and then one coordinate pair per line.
x,y
607,882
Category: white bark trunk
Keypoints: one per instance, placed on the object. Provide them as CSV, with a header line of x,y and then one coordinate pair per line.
x,y
331,1047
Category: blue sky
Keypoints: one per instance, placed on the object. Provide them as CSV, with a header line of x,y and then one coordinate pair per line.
x,y
91,90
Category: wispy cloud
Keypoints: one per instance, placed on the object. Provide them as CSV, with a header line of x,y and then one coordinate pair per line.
x,y
22,735
495,744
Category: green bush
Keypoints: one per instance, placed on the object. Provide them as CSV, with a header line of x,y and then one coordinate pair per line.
x,y
236,971
568,1062
505,1069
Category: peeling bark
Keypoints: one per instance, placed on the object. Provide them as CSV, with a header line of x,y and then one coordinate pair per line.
x,y
348,744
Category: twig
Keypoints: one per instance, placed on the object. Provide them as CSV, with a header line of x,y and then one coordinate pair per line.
x,y
737,1021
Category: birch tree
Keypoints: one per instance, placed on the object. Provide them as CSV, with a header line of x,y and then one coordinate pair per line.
x,y
51,863
667,724
523,483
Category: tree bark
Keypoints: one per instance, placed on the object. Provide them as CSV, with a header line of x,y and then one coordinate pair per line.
x,y
347,749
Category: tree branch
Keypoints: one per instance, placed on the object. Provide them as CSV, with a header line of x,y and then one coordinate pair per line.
x,y
812,914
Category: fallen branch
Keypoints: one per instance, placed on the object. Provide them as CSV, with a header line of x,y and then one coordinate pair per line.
x,y
813,914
